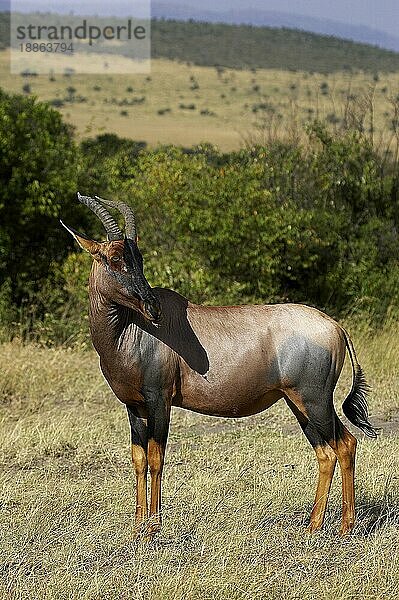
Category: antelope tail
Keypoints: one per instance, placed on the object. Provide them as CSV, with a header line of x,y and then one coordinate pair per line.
x,y
355,405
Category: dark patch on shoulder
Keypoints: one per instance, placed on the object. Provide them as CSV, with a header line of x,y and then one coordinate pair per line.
x,y
176,332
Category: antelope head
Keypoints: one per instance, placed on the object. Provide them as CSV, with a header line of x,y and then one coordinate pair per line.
x,y
118,261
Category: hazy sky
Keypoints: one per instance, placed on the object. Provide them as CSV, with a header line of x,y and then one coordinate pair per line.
x,y
377,14
89,7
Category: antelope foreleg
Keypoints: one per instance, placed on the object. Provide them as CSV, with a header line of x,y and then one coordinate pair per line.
x,y
158,407
140,465
156,453
138,427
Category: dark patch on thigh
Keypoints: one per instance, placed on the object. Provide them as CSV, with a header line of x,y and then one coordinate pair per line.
x,y
302,364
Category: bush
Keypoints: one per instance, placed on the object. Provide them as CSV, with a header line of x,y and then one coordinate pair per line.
x,y
57,103
324,88
39,165
316,224
205,112
261,226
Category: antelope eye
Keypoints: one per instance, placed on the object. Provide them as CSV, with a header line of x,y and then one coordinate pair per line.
x,y
116,259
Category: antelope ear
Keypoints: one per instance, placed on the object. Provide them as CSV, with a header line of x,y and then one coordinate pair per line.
x,y
84,242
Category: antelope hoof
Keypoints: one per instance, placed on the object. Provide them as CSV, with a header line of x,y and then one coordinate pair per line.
x,y
146,532
152,529
345,529
313,527
139,531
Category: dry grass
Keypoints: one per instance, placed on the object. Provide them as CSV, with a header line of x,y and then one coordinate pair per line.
x,y
236,495
289,100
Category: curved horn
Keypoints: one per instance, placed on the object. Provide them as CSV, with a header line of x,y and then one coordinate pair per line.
x,y
127,212
111,227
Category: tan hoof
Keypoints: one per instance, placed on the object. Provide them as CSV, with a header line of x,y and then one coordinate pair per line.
x,y
139,531
345,529
153,528
313,527
146,531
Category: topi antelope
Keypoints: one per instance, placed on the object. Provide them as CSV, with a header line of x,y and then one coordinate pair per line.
x,y
159,350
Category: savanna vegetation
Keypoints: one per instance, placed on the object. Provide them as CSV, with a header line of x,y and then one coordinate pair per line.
x,y
185,104
237,494
307,210
284,222
198,92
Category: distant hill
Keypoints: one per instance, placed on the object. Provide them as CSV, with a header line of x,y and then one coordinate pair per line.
x,y
4,28
259,16
253,12
246,46
250,47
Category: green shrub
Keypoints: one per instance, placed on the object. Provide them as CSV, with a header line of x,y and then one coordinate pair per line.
x,y
316,224
38,175
265,226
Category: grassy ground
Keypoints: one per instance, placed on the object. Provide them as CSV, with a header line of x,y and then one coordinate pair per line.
x,y
185,105
236,494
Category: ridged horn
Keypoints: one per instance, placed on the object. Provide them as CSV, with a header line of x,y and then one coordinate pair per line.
x,y
111,227
128,214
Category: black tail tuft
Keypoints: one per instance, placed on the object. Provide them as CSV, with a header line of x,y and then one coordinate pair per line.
x,y
355,405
